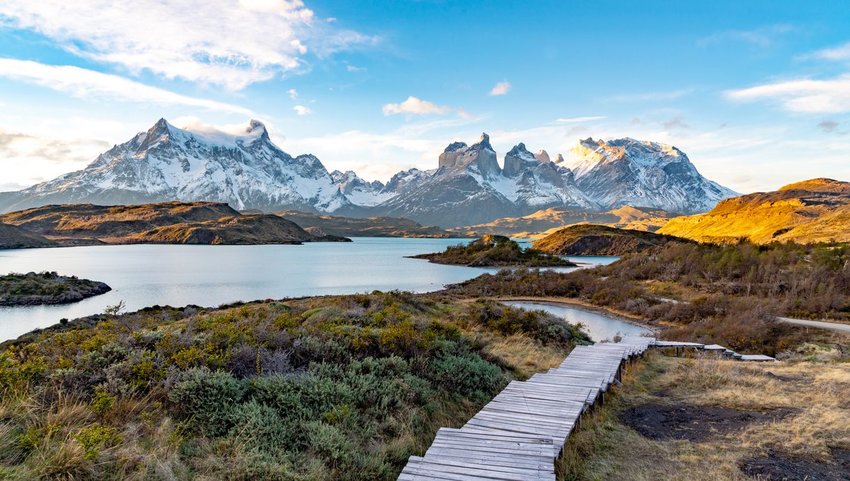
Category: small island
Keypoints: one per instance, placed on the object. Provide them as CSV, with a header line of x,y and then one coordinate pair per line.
x,y
41,288
495,251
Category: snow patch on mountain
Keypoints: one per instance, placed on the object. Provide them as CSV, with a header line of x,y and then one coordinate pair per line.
x,y
644,174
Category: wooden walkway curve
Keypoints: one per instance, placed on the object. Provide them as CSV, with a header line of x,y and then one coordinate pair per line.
x,y
520,433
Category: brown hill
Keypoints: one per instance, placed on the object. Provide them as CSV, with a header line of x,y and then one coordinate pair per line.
x,y
365,227
600,240
242,229
13,237
812,211
168,223
547,221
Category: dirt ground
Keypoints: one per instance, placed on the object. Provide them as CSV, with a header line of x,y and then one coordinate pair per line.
x,y
692,423
708,419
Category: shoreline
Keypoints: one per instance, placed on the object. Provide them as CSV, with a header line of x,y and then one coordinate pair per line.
x,y
567,301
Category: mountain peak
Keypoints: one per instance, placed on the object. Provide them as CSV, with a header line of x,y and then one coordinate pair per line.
x,y
518,148
454,146
485,139
542,156
161,127
257,128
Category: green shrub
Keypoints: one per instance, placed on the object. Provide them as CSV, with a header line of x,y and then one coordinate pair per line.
x,y
208,398
95,438
466,374
261,428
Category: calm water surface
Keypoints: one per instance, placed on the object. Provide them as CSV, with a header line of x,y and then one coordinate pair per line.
x,y
599,326
178,275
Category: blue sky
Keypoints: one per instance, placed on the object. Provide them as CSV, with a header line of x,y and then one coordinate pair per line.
x,y
757,93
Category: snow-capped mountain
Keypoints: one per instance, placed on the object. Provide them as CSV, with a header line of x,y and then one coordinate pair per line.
x,y
468,186
358,191
167,163
625,171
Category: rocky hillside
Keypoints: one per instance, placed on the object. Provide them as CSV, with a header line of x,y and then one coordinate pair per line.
x,y
13,237
547,221
600,240
469,186
812,211
251,229
494,251
169,222
362,227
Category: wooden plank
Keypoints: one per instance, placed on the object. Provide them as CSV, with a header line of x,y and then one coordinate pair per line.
x,y
518,434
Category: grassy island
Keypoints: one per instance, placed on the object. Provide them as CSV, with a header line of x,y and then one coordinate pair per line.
x,y
495,251
46,288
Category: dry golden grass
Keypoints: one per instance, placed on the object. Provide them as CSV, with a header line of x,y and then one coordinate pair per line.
x,y
816,394
524,354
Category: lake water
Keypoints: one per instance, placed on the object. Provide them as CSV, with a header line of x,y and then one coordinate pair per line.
x,y
599,326
179,275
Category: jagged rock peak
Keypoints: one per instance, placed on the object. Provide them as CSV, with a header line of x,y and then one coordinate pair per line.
x,y
480,157
256,127
161,127
559,159
518,148
454,146
542,156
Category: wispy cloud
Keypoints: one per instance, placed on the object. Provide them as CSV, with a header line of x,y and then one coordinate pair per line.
x,y
218,42
659,96
802,95
758,37
302,110
416,106
501,88
576,120
839,53
293,94
84,83
676,122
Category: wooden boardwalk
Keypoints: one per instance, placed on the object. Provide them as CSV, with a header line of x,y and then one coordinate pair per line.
x,y
518,435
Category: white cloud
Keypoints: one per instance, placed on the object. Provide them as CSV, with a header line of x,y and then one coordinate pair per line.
x,y
354,68
802,95
500,88
27,158
302,110
417,106
293,94
220,42
83,83
759,37
839,53
577,120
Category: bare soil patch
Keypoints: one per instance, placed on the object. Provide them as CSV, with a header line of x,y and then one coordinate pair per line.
x,y
779,466
691,422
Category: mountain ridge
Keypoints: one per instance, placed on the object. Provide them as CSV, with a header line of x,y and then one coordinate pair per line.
x,y
248,171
